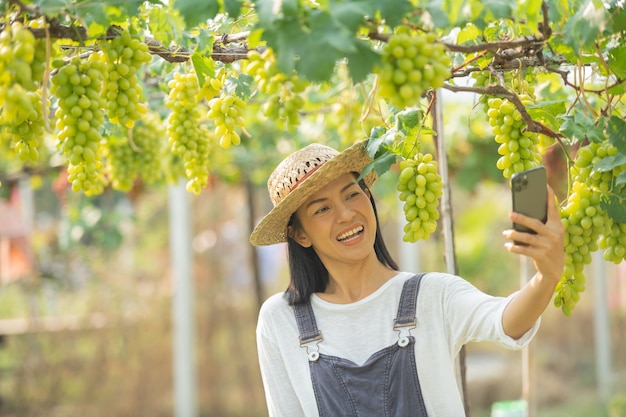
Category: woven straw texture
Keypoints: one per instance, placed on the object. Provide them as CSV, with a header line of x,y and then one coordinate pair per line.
x,y
298,177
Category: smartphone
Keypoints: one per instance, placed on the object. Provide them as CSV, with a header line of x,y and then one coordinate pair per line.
x,y
530,195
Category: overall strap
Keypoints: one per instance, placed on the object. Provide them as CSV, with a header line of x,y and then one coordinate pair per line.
x,y
307,326
406,306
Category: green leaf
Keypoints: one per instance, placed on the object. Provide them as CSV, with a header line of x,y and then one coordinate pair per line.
x,y
615,206
203,66
265,12
617,15
621,179
584,27
617,61
439,13
381,164
547,111
470,33
580,127
197,11
362,61
392,11
609,162
616,132
164,26
233,8
349,14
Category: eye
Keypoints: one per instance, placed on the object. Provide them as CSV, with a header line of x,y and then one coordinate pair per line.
x,y
353,195
321,210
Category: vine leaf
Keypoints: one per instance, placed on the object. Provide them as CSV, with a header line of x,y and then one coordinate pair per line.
x,y
197,11
615,206
582,29
579,127
616,132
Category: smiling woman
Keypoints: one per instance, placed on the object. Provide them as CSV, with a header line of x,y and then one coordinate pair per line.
x,y
350,336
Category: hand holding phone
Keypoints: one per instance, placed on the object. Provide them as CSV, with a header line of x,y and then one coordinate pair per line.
x,y
530,195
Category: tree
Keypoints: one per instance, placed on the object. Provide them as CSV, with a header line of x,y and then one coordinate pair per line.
x,y
89,88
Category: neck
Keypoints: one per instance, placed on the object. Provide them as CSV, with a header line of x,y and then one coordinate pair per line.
x,y
351,283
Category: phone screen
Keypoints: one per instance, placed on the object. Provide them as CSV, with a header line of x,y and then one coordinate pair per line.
x,y
530,195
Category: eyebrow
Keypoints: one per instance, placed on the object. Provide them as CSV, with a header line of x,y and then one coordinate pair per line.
x,y
322,199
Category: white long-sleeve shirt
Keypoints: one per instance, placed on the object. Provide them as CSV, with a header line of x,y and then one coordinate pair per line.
x,y
450,313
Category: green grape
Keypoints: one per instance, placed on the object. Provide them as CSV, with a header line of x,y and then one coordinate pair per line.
x,y
227,113
125,54
187,138
26,136
285,102
587,225
412,64
79,118
518,147
19,56
136,155
420,188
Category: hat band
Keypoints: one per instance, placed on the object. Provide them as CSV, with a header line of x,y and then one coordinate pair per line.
x,y
307,175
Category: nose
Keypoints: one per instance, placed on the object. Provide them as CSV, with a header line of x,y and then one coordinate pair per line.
x,y
345,212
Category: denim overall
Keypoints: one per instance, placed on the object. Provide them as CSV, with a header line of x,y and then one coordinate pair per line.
x,y
386,385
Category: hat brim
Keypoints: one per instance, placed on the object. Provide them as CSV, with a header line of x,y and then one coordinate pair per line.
x,y
272,228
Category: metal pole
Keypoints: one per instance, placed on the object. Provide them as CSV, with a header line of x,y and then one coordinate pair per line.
x,y
601,329
185,385
448,229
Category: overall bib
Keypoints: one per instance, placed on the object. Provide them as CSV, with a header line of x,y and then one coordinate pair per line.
x,y
386,385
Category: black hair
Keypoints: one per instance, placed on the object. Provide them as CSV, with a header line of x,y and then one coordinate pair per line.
x,y
308,273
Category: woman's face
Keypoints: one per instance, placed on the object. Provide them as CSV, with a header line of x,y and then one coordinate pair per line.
x,y
338,222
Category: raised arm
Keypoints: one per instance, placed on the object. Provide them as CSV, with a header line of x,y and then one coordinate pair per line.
x,y
546,248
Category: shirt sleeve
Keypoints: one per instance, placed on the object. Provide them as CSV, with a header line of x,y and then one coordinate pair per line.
x,y
281,398
474,316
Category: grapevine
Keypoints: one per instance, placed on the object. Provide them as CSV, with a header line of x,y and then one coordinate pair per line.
x,y
27,134
412,64
135,154
519,147
227,113
420,187
80,116
187,138
587,223
285,102
125,54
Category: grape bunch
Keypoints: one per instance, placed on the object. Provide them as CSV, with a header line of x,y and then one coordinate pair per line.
x,y
285,102
187,138
125,54
584,221
519,148
135,154
412,64
227,113
17,57
26,135
420,187
79,118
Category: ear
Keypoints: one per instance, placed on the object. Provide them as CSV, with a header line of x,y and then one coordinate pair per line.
x,y
299,236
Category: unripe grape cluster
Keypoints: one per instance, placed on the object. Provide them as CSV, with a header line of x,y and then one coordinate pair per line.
x,y
420,188
136,155
412,64
227,113
80,116
26,136
19,57
584,221
519,148
125,54
187,138
285,101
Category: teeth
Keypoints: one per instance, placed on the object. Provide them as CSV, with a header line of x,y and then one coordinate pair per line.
x,y
350,233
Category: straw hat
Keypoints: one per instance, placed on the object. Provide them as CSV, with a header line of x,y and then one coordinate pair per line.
x,y
301,175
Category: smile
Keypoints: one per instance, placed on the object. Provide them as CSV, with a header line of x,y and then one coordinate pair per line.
x,y
351,234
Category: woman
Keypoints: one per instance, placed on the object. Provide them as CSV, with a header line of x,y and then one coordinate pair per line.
x,y
353,336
